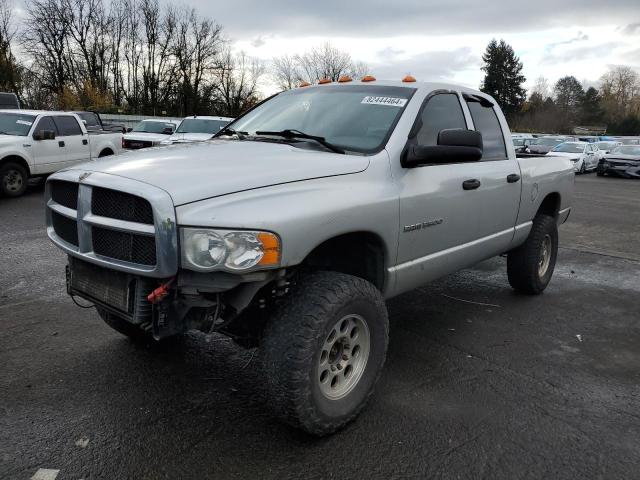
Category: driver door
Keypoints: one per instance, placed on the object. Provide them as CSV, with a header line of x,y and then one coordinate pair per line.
x,y
47,154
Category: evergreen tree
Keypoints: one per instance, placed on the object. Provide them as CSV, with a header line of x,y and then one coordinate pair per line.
x,y
591,111
569,97
503,77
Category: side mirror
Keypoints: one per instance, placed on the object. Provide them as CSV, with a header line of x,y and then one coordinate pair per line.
x,y
44,135
455,145
167,131
129,129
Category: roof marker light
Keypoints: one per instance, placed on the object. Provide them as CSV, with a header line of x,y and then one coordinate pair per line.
x,y
368,78
322,81
409,79
344,79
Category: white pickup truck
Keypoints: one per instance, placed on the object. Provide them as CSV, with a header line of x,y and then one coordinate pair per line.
x,y
37,143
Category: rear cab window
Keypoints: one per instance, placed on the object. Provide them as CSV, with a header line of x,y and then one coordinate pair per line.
x,y
486,122
67,125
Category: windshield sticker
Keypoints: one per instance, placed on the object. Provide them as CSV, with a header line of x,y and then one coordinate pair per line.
x,y
24,122
389,101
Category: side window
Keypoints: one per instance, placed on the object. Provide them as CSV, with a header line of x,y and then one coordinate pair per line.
x,y
442,111
46,123
486,122
67,125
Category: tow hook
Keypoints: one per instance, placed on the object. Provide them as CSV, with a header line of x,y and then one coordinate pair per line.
x,y
159,293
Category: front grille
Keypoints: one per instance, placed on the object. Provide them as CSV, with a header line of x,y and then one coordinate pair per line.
x,y
65,228
65,193
125,246
135,144
121,206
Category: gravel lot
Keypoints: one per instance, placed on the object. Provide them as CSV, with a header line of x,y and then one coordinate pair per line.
x,y
480,382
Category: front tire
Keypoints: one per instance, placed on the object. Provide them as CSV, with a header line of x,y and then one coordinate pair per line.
x,y
583,169
530,266
323,351
13,179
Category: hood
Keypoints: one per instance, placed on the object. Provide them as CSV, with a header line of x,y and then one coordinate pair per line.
x,y
618,157
198,171
565,154
190,137
11,139
149,137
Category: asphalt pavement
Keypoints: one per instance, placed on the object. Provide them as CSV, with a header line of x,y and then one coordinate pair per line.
x,y
480,382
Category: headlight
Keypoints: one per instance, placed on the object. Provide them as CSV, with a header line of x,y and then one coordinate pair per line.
x,y
207,250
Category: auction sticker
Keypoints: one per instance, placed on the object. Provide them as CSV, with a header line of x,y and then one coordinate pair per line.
x,y
389,101
24,122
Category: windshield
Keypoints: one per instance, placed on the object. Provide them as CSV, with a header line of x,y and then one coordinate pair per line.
x,y
200,125
150,126
16,123
518,142
357,118
569,148
627,150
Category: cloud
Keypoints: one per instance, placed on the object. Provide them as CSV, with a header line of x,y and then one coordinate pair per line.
x,y
433,66
580,37
595,52
631,29
366,18
259,41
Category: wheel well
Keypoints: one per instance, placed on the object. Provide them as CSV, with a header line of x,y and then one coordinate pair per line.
x,y
361,254
18,160
550,205
105,152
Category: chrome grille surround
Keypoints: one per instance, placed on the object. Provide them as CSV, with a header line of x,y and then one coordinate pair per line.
x,y
164,228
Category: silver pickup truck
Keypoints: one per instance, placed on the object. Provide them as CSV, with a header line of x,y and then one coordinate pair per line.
x,y
291,228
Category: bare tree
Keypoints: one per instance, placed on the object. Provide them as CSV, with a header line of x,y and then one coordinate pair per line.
x,y
620,88
541,87
196,46
10,71
236,86
46,38
285,72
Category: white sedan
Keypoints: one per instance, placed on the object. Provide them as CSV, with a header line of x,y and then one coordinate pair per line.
x,y
585,156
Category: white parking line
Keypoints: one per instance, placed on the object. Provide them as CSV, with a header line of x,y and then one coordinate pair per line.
x,y
45,474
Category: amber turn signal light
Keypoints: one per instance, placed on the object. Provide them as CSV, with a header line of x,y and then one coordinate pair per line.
x,y
368,78
322,81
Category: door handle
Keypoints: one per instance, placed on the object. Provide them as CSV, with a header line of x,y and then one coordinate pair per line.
x,y
513,178
471,184
84,141
61,143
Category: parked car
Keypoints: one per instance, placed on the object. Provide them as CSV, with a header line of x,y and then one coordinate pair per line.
x,y
622,161
606,146
521,144
583,155
290,229
9,101
93,123
545,144
197,129
36,143
148,133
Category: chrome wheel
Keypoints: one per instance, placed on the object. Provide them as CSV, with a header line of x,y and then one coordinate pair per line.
x,y
545,256
343,356
12,181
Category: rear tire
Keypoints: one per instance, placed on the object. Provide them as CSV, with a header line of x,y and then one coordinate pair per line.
x,y
530,266
323,351
13,179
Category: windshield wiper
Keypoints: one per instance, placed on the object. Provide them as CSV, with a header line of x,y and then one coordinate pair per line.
x,y
226,131
291,134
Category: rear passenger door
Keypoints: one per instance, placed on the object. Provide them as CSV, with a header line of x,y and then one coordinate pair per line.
x,y
74,141
443,226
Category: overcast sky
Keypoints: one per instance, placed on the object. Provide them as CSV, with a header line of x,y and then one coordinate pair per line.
x,y
440,40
